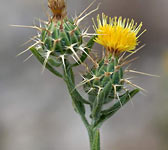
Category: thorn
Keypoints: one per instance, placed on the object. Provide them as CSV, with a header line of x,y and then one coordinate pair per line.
x,y
85,30
46,60
107,74
121,57
73,51
133,85
143,73
72,32
100,88
86,34
41,21
24,26
28,58
63,61
82,76
134,52
55,42
126,90
31,39
84,11
125,63
28,48
118,85
74,17
79,20
86,80
91,89
128,66
115,90
119,100
129,78
75,59
83,50
144,94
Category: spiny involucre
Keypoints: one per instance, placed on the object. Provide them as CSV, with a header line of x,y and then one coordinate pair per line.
x,y
61,37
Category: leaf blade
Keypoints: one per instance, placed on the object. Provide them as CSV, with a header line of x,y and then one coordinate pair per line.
x,y
41,60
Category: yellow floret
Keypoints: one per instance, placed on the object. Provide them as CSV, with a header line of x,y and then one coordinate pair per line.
x,y
117,35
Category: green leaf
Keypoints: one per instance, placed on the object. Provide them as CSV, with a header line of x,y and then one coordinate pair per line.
x,y
106,114
100,101
97,106
76,97
78,101
42,59
54,62
72,75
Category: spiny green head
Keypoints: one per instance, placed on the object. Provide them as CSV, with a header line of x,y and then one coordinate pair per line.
x,y
107,76
59,40
62,38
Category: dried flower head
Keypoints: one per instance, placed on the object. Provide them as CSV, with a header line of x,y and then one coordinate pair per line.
x,y
58,8
117,35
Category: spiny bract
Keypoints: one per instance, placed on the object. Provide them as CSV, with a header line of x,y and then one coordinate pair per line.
x,y
61,39
106,78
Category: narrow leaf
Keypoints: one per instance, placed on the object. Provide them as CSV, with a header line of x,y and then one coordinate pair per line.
x,y
106,114
100,101
42,59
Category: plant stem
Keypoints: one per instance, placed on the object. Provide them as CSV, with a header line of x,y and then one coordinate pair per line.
x,y
77,104
94,138
93,132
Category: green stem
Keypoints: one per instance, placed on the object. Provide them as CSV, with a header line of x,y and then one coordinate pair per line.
x,y
93,132
79,106
94,139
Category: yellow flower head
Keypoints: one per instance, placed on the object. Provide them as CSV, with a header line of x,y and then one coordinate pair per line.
x,y
117,35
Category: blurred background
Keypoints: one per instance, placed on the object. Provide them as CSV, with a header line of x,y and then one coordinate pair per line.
x,y
35,108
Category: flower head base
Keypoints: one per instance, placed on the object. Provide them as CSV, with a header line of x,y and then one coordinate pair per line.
x,y
117,35
58,8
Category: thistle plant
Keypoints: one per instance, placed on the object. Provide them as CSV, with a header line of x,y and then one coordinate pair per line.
x,y
61,45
